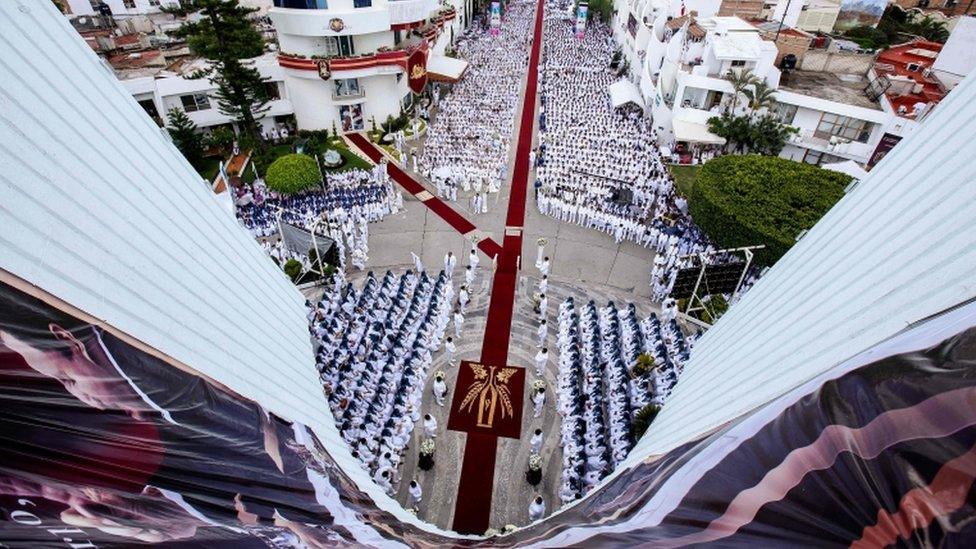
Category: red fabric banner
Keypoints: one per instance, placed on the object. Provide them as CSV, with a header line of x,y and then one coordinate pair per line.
x,y
417,70
488,400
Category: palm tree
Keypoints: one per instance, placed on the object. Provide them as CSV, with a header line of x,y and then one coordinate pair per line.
x,y
760,96
740,81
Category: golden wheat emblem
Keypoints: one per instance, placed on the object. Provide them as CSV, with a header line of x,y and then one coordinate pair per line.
x,y
489,390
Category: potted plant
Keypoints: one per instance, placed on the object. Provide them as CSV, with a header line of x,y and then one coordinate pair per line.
x,y
426,462
534,475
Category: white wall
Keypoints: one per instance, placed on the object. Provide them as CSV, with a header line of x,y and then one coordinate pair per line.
x,y
102,211
898,248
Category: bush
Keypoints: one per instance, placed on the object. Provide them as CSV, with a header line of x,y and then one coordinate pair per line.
x,y
643,419
749,200
293,268
292,173
645,363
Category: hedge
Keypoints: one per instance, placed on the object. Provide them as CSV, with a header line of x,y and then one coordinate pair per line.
x,y
751,199
292,173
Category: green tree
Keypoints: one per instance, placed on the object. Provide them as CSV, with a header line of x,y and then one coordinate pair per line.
x,y
740,80
753,199
759,96
221,32
292,173
928,28
737,130
767,135
185,136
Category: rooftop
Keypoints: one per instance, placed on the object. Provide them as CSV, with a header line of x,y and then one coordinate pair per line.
x,y
911,60
772,26
840,88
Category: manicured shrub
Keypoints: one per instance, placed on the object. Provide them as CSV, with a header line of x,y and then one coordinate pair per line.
x,y
752,199
293,268
292,173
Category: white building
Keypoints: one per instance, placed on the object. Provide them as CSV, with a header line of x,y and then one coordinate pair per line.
x,y
683,83
345,61
164,91
118,7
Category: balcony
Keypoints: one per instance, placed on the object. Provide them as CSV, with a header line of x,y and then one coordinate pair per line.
x,y
342,18
384,60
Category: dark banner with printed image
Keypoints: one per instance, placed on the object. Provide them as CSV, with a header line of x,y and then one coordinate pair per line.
x,y
105,444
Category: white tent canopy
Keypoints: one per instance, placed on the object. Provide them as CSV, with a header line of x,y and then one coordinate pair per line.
x,y
624,92
849,167
441,67
693,132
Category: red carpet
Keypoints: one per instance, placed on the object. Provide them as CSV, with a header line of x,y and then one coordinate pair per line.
x,y
436,205
473,503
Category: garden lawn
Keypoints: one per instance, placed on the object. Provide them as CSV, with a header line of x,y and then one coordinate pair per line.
x,y
684,179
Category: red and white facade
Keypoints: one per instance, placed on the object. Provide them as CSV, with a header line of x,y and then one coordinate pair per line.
x,y
348,63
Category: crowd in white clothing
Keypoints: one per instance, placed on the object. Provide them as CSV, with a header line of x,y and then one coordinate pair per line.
x,y
599,392
350,201
467,144
598,166
374,346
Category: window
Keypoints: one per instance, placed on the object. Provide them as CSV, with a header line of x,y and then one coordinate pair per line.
x,y
271,91
195,102
150,108
738,63
397,37
784,112
362,3
154,3
347,87
844,127
339,46
129,4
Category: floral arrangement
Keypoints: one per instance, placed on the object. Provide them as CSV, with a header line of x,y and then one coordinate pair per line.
x,y
535,462
538,384
491,532
440,374
427,447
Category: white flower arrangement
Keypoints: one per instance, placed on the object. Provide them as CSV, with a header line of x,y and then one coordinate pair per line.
x,y
538,384
491,532
535,462
427,447
440,374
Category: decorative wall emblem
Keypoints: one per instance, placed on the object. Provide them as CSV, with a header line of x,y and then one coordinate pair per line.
x,y
336,24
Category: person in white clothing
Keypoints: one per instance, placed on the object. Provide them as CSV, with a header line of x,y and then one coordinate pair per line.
x,y
543,305
537,509
383,480
451,348
541,358
545,266
430,426
463,298
544,284
473,259
440,390
541,333
449,262
417,263
458,322
539,400
415,493
468,275
535,443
